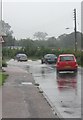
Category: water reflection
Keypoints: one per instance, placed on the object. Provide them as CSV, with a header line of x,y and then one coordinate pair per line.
x,y
62,89
67,81
46,70
43,71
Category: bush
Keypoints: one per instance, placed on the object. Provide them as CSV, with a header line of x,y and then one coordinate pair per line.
x,y
3,77
9,53
4,64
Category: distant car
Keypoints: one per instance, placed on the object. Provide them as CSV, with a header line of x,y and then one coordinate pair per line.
x,y
49,58
66,62
21,57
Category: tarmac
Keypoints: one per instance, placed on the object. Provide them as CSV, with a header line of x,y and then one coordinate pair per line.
x,y
21,97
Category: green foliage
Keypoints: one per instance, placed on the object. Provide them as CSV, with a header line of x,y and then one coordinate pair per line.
x,y
9,41
5,28
40,52
3,77
6,31
68,40
38,48
4,64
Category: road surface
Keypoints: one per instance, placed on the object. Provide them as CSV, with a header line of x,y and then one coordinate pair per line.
x,y
63,91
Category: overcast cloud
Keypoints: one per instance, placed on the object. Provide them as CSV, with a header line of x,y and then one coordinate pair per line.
x,y
26,18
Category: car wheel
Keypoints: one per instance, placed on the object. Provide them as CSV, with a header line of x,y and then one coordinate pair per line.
x,y
75,71
57,71
46,62
42,62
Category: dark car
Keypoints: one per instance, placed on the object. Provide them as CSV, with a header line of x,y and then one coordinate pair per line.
x,y
66,62
49,58
21,57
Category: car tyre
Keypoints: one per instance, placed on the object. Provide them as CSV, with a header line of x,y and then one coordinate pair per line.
x,y
75,71
42,62
46,62
57,71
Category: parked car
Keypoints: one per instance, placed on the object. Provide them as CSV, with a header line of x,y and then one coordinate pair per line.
x,y
21,57
49,58
66,62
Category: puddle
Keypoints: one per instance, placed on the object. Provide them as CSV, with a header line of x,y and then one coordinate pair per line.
x,y
26,83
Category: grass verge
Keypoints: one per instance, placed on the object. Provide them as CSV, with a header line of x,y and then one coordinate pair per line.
x,y
3,77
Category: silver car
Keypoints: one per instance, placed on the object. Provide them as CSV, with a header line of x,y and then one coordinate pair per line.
x,y
21,57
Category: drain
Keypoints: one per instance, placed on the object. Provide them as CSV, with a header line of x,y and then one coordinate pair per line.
x,y
36,84
69,112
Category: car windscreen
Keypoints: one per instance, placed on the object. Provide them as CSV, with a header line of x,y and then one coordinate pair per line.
x,y
67,58
50,56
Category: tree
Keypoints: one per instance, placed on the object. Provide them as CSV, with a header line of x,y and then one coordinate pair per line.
x,y
5,28
40,35
6,32
52,42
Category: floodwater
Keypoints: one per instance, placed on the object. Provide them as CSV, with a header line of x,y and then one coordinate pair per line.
x,y
63,90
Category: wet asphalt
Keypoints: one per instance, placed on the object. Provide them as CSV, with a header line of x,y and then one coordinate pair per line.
x,y
62,90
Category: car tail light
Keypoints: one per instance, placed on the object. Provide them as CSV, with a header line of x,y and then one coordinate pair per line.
x,y
76,64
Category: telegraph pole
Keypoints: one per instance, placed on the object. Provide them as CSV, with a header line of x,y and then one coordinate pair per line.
x,y
75,30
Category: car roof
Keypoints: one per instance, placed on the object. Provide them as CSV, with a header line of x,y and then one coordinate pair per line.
x,y
21,54
66,55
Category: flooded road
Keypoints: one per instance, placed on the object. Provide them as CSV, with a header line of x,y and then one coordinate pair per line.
x,y
63,90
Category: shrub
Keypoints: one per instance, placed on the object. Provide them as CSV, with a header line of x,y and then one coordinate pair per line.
x,y
4,64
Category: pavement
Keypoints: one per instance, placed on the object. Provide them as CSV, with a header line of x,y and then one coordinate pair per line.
x,y
0,102
21,98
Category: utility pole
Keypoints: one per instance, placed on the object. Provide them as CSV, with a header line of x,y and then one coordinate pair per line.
x,y
0,37
75,30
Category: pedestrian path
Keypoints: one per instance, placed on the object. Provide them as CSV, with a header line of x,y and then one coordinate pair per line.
x,y
21,98
0,102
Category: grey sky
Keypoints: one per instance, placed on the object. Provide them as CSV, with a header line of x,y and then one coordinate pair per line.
x,y
26,18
